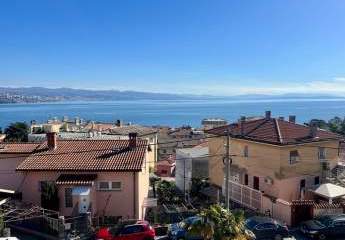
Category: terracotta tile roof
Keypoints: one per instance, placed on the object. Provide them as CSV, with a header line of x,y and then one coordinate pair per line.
x,y
274,131
76,179
87,155
18,147
140,130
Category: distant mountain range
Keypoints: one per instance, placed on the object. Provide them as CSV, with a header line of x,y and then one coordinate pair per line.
x,y
39,94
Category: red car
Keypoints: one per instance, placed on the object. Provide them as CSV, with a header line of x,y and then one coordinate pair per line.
x,y
140,230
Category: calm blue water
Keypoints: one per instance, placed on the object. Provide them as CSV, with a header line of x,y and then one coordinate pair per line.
x,y
173,113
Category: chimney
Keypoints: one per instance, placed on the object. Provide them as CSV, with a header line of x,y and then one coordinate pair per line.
x,y
132,140
312,130
118,123
292,118
281,118
241,124
51,140
268,115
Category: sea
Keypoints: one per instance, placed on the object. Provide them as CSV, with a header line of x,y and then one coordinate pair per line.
x,y
172,112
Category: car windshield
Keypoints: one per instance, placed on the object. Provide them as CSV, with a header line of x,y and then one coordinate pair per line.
x,y
250,224
324,220
187,222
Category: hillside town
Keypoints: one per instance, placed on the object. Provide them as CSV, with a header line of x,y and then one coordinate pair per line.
x,y
71,178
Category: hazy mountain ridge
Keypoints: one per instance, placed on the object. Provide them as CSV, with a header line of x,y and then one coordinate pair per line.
x,y
39,94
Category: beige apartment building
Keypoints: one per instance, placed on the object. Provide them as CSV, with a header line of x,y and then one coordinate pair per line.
x,y
275,158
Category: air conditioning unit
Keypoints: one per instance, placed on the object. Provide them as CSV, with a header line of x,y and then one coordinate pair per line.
x,y
268,180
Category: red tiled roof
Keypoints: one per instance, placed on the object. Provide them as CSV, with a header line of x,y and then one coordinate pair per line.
x,y
274,131
87,155
18,147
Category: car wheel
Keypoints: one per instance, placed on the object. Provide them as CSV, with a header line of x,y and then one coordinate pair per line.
x,y
278,237
322,236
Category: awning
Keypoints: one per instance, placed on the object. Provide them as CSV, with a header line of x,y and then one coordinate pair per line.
x,y
76,179
329,190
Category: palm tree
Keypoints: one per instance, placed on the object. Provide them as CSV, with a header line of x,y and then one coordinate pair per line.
x,y
220,224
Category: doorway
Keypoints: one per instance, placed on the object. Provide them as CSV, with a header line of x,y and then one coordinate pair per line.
x,y
256,183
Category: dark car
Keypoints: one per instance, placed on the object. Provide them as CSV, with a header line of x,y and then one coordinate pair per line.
x,y
179,231
140,230
266,228
325,227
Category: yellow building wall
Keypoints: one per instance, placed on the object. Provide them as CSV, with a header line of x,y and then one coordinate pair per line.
x,y
265,160
216,166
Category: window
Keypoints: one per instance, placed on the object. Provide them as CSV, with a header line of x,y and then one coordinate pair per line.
x,y
317,180
103,186
132,229
40,185
245,151
322,153
110,186
266,226
294,157
115,185
339,224
68,198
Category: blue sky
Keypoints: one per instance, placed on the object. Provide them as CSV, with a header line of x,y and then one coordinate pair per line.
x,y
219,47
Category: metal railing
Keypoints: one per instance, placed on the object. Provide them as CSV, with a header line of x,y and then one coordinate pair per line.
x,y
244,195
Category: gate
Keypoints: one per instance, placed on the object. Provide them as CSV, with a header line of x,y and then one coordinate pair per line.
x,y
301,210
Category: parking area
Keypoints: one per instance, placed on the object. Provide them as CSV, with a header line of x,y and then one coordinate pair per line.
x,y
297,234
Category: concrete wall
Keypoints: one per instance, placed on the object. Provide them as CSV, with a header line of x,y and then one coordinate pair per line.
x,y
9,178
183,170
142,184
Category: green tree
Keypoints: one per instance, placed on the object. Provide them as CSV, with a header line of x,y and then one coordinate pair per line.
x,y
220,224
17,132
198,184
166,192
319,123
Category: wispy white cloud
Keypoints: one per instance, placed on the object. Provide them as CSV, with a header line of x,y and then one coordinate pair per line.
x,y
339,79
335,86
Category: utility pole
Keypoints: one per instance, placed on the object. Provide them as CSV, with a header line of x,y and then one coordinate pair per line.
x,y
227,168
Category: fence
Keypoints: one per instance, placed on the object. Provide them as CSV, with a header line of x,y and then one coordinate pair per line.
x,y
244,195
326,208
277,209
52,223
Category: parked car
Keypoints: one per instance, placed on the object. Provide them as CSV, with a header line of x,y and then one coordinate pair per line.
x,y
325,227
179,231
140,230
266,228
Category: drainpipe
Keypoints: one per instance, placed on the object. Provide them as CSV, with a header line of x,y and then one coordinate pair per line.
x,y
134,195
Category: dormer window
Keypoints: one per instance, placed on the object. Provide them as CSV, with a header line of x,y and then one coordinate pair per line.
x,y
294,157
322,153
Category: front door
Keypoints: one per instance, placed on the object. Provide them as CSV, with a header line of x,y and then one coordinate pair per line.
x,y
256,183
